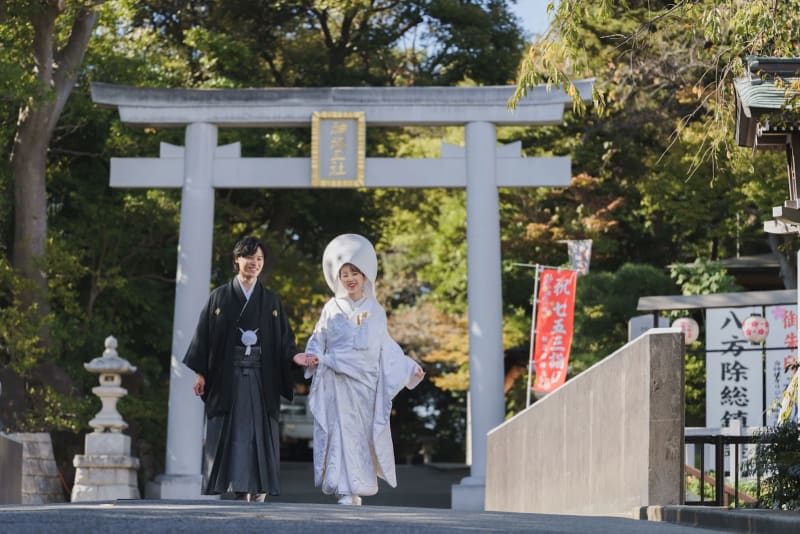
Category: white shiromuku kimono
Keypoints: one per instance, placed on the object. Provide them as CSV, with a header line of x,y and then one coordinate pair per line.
x,y
361,368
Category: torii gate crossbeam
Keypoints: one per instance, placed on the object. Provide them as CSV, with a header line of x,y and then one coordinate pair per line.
x,y
199,167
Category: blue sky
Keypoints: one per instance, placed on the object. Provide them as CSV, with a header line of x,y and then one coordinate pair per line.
x,y
533,14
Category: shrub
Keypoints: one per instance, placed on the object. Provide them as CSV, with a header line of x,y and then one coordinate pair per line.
x,y
777,462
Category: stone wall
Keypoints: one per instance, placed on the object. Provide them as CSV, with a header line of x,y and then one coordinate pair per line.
x,y
606,442
41,482
10,470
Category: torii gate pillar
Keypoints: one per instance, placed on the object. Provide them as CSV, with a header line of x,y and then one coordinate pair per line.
x,y
185,422
202,166
484,286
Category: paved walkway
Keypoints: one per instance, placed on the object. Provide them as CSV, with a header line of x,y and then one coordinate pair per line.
x,y
286,518
420,503
741,520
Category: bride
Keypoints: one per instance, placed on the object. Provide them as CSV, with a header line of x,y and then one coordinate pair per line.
x,y
357,369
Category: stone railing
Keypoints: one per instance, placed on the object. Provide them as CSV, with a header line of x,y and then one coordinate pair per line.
x,y
607,442
41,482
11,469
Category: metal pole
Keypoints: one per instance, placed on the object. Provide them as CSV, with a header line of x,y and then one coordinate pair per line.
x,y
719,460
735,465
702,472
533,335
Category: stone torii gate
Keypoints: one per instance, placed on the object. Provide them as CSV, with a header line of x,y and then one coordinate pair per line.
x,y
201,166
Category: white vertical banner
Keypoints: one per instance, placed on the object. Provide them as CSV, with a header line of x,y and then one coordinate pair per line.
x,y
781,350
580,255
734,369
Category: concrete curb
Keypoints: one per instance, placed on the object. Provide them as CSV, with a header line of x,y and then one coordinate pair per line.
x,y
737,520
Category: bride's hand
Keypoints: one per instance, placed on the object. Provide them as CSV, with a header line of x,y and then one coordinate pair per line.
x,y
304,359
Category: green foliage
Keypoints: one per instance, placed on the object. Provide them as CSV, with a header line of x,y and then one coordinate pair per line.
x,y
703,277
343,43
644,188
476,40
19,324
695,388
54,411
426,236
604,302
623,44
777,463
17,76
439,341
41,407
746,487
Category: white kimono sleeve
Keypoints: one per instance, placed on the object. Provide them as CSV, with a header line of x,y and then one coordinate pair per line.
x,y
397,371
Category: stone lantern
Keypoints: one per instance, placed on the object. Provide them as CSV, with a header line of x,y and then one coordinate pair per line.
x,y
107,471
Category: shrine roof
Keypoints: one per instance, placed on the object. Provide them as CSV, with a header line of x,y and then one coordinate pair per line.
x,y
719,300
760,93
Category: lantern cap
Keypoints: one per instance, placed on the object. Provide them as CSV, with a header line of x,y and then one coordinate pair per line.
x,y
110,362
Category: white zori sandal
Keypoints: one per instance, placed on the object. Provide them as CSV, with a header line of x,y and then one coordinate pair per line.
x,y
352,500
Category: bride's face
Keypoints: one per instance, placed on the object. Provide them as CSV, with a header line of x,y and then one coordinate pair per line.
x,y
352,280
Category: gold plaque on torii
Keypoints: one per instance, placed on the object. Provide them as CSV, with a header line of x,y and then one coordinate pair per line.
x,y
338,150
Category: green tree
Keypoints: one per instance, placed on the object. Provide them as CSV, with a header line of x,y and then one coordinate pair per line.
x,y
48,39
316,43
684,53
652,152
703,277
604,302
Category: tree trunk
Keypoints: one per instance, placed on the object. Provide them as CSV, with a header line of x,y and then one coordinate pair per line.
x,y
30,202
57,71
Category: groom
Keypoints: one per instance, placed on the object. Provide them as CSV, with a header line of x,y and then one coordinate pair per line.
x,y
242,353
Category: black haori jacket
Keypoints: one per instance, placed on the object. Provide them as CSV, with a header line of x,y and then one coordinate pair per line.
x,y
211,350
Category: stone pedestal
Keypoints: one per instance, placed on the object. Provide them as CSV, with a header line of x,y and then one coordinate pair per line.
x,y
177,487
469,495
107,471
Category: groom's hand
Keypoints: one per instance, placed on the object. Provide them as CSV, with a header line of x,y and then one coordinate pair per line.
x,y
199,385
